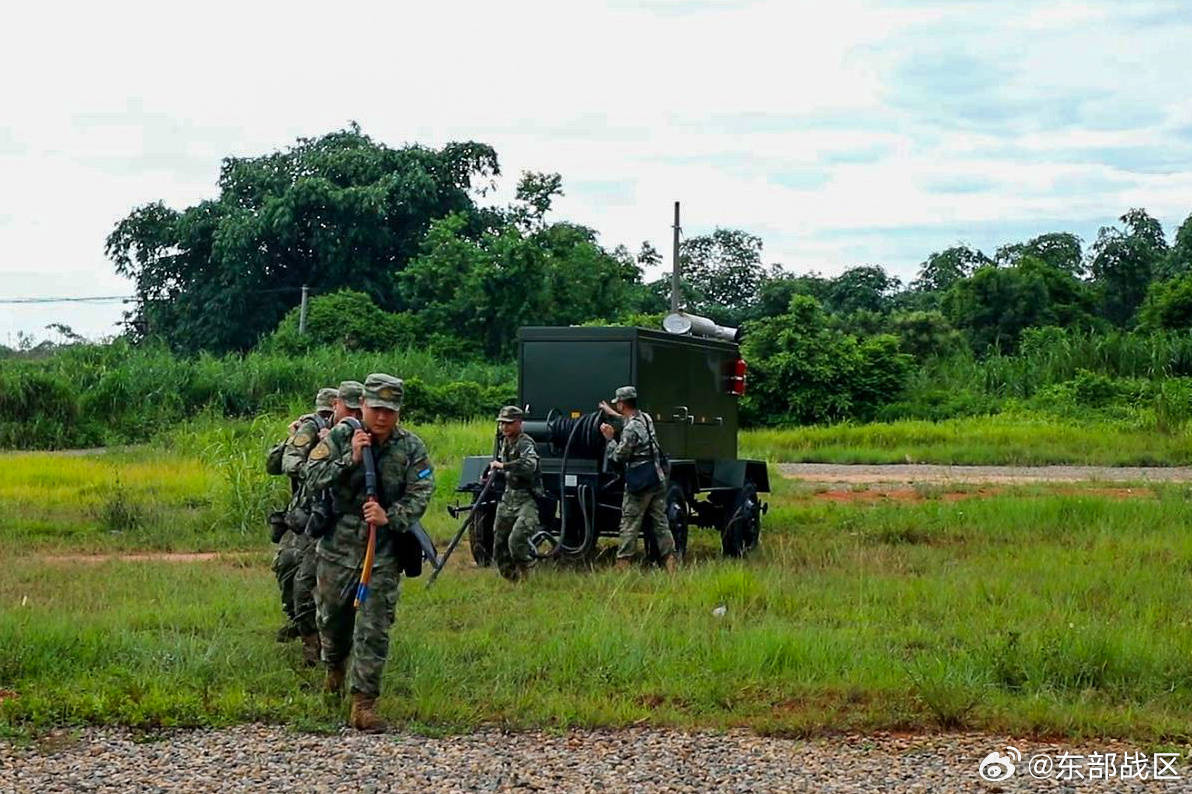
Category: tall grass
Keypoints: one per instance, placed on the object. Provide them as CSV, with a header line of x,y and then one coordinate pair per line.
x,y
1029,612
1054,355
97,394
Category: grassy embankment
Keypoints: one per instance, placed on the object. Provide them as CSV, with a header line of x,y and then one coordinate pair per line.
x,y
1041,610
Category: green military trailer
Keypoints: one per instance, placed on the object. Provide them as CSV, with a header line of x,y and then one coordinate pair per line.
x,y
689,380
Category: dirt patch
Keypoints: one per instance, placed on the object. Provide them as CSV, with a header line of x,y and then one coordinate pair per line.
x,y
1112,493
931,473
8,694
879,495
152,556
888,495
869,496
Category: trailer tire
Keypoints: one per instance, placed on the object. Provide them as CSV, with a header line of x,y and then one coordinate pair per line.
x,y
480,536
741,531
678,517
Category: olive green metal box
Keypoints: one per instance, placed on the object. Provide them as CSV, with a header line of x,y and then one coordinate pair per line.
x,y
684,382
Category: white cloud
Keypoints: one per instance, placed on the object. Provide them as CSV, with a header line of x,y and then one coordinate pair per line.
x,y
853,129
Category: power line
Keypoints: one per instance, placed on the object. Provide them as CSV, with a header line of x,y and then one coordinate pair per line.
x,y
89,299
126,298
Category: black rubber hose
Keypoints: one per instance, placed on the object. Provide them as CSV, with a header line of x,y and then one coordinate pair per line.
x,y
591,424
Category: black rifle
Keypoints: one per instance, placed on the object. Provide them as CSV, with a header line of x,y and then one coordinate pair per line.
x,y
472,512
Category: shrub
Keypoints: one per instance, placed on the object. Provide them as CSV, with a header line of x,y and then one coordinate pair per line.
x,y
346,318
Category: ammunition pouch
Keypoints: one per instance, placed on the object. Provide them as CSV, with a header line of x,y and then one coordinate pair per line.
x,y
321,517
413,546
277,525
408,552
296,518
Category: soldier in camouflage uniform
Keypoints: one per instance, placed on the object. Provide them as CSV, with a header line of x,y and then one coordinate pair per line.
x,y
304,435
517,514
406,482
345,403
639,445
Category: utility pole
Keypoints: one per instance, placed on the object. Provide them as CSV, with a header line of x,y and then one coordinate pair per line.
x,y
302,311
675,265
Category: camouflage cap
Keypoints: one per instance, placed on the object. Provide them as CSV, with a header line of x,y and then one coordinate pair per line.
x,y
625,393
383,391
323,399
350,391
510,413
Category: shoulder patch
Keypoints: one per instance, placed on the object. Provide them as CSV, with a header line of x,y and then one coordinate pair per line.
x,y
321,451
302,438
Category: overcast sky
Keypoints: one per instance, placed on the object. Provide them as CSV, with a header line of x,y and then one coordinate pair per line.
x,y
842,133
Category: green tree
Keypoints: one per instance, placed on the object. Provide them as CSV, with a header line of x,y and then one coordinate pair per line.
x,y
331,212
802,370
722,270
941,270
347,318
535,195
777,291
1179,258
1168,304
924,334
483,288
1124,261
1061,250
995,305
861,288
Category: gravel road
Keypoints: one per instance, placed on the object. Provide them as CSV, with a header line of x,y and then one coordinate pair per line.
x,y
930,473
259,758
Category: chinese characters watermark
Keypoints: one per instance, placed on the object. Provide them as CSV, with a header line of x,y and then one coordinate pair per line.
x,y
1131,765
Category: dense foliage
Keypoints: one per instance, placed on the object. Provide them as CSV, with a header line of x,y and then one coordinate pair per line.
x,y
400,255
86,395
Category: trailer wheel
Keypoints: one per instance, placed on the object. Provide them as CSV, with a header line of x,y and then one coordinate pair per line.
x,y
742,529
480,536
678,517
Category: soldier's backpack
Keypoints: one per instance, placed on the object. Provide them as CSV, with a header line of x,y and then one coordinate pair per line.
x,y
277,451
274,456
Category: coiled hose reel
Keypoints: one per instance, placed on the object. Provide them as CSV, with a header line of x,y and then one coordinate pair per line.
x,y
581,437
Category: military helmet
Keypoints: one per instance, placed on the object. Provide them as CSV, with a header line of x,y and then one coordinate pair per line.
x,y
383,391
323,399
625,393
350,391
510,413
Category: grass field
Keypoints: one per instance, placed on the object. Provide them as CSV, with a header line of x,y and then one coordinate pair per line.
x,y
1032,609
1002,439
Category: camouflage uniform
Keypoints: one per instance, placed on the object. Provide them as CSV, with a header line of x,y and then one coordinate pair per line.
x,y
517,514
406,482
295,546
635,447
305,580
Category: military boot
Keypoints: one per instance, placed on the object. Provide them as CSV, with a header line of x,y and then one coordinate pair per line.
x,y
310,649
333,684
364,716
672,563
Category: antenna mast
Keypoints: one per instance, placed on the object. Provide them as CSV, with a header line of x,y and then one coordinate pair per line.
x,y
675,264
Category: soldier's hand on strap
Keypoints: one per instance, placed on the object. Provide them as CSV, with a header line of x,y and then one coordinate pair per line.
x,y
496,465
323,433
360,440
294,426
607,431
375,514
